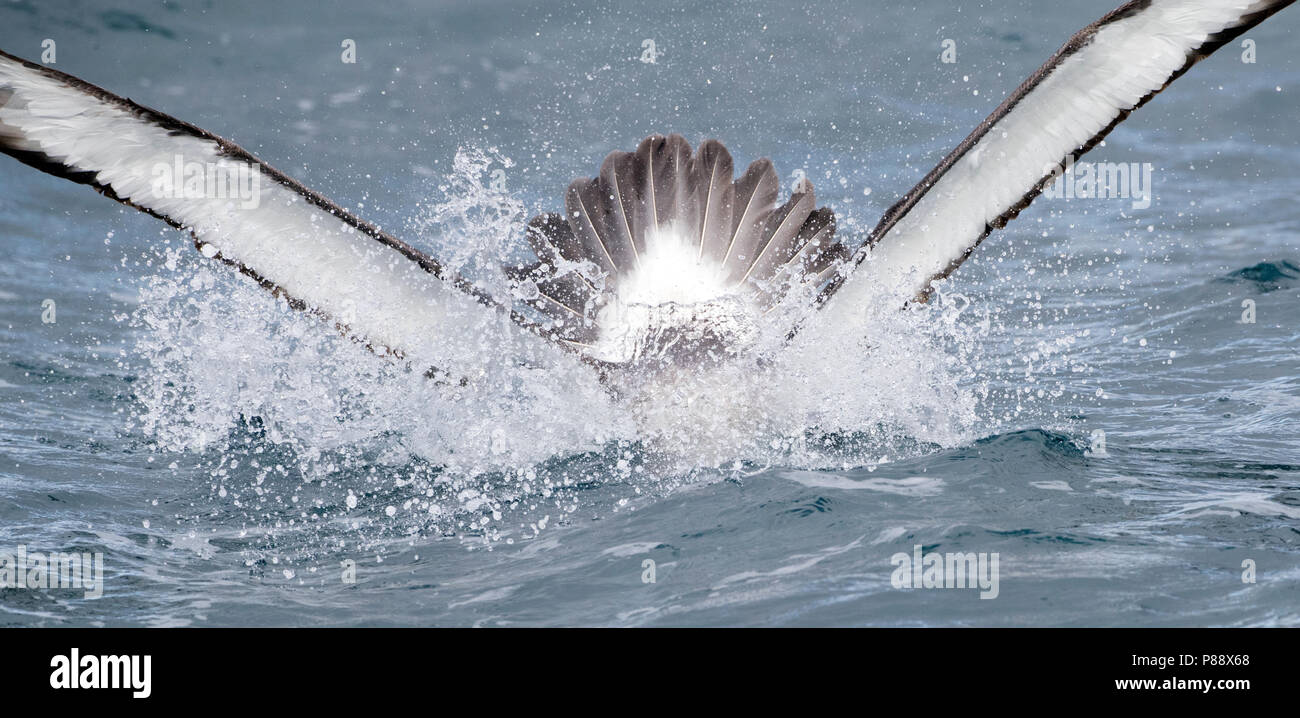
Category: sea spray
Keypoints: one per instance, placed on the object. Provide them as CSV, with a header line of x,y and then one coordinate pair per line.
x,y
227,369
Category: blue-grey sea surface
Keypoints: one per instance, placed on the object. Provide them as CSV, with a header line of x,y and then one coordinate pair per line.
x,y
1105,396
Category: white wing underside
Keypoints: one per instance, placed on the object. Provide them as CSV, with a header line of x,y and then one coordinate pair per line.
x,y
293,241
1102,74
393,297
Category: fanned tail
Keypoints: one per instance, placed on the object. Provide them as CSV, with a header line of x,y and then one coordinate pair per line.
x,y
661,226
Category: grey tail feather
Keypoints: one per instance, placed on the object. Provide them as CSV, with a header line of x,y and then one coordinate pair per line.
x,y
813,257
780,233
611,219
551,239
586,209
616,185
756,195
716,189
567,301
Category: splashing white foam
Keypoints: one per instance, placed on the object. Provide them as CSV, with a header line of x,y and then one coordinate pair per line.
x,y
218,351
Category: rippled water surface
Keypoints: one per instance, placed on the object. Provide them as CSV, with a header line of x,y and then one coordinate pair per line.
x,y
1087,398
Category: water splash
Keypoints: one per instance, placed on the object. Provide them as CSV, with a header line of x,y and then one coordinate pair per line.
x,y
233,374
476,223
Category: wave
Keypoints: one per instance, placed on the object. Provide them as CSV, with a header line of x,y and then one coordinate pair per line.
x,y
1267,276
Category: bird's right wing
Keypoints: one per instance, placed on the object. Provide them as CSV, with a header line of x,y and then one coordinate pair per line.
x,y
1103,73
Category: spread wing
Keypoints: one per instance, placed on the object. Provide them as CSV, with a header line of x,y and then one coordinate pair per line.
x,y
243,212
1101,75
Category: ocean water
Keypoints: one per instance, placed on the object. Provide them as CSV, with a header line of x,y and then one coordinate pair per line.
x,y
1106,396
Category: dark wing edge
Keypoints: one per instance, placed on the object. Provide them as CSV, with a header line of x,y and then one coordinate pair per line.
x,y
937,224
294,242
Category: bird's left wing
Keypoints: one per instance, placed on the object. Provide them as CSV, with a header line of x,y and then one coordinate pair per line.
x,y
291,240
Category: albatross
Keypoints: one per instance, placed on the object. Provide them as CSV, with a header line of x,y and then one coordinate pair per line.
x,y
668,257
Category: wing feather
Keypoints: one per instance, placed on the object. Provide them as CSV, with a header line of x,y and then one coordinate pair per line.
x,y
1065,108
288,238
